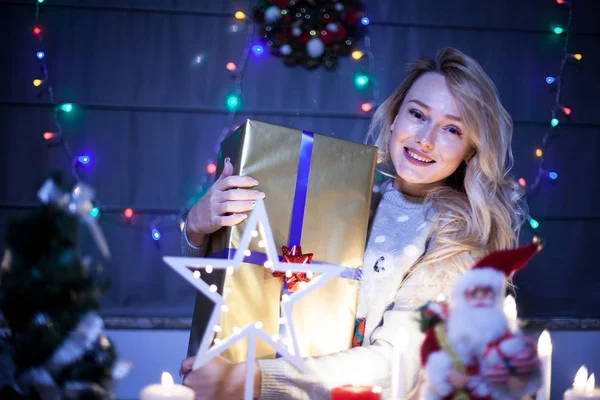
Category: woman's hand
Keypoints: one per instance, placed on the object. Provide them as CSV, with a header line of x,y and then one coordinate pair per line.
x,y
223,205
219,379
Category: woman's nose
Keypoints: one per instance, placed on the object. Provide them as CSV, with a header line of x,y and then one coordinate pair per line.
x,y
426,138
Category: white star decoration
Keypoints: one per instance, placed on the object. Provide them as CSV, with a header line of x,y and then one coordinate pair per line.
x,y
187,267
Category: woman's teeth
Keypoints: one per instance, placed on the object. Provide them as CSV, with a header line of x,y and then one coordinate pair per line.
x,y
417,157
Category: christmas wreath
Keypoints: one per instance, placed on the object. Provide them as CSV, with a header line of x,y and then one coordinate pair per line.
x,y
311,32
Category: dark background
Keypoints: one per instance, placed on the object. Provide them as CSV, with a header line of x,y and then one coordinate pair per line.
x,y
150,119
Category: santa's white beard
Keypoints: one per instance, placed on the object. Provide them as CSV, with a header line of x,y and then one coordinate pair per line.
x,y
470,330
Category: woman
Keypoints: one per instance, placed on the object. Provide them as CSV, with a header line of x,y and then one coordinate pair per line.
x,y
447,136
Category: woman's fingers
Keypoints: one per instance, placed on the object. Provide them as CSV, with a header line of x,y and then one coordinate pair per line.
x,y
231,220
236,181
240,194
233,207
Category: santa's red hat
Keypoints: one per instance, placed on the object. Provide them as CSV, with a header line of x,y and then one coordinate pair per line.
x,y
494,270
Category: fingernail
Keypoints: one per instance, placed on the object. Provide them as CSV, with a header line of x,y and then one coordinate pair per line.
x,y
255,181
263,195
227,160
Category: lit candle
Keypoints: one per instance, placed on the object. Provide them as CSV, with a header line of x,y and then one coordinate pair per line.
x,y
510,310
545,355
583,387
398,365
166,390
355,392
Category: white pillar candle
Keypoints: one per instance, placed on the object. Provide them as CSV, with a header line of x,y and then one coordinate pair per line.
x,y
583,387
167,389
545,354
399,365
510,310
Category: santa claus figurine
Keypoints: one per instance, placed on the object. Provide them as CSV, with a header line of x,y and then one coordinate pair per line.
x,y
469,351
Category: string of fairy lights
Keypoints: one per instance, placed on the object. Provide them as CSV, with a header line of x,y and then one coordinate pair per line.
x,y
558,112
364,80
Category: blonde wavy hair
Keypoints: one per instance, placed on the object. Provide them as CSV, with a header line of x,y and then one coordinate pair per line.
x,y
481,207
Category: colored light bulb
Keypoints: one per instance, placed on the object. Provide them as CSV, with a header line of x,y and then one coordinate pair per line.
x,y
211,168
37,30
550,80
361,80
553,175
40,1
94,212
522,182
40,55
365,21
230,66
258,49
533,223
567,110
560,1
37,82
233,102
357,54
554,122
155,234
366,107
48,135
84,159
67,107
577,56
558,30
539,152
128,213
239,15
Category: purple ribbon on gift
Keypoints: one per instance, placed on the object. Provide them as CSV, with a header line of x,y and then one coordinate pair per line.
x,y
298,205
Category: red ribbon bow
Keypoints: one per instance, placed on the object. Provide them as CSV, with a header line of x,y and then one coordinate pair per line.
x,y
294,255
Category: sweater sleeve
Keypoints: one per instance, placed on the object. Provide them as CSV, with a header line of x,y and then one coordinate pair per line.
x,y
371,364
188,249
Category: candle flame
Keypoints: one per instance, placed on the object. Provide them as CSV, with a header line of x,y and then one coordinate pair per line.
x,y
580,379
544,344
510,307
402,339
166,380
590,385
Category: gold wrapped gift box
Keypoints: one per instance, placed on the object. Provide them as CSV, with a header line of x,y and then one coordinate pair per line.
x,y
333,227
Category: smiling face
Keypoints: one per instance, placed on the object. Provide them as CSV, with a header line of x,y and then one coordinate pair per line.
x,y
429,141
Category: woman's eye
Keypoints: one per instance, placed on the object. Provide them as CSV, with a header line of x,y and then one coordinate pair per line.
x,y
453,130
416,114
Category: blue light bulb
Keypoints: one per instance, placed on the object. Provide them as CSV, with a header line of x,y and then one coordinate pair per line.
x,y
365,21
155,234
40,54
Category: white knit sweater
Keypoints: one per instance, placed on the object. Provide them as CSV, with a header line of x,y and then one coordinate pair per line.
x,y
396,240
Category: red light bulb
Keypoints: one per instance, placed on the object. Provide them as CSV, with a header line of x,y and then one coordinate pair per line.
x,y
567,110
37,30
48,135
522,182
211,168
128,212
366,107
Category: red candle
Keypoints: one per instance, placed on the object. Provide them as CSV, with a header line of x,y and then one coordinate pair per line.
x,y
353,392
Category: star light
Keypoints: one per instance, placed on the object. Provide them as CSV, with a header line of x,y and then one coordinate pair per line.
x,y
188,267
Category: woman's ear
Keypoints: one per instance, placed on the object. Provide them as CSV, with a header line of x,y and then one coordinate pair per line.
x,y
393,123
470,156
